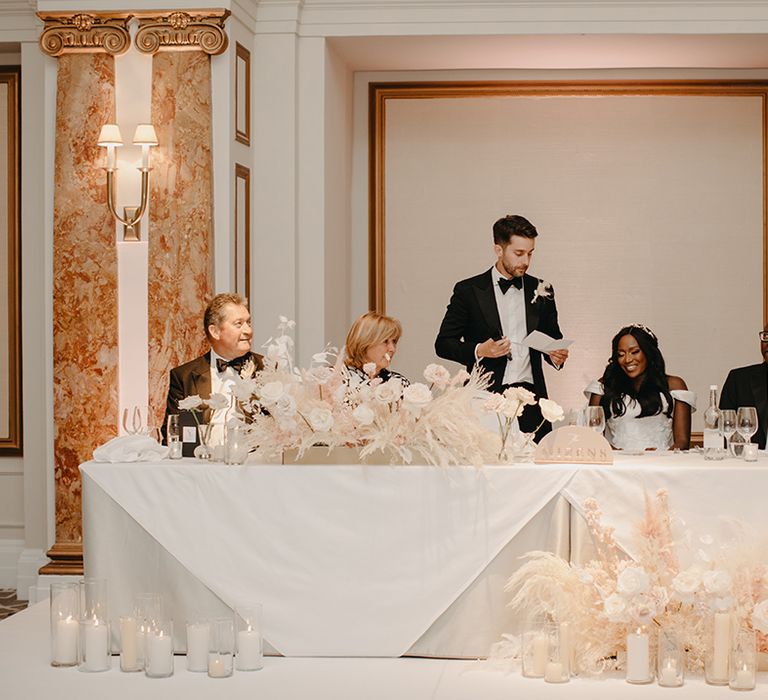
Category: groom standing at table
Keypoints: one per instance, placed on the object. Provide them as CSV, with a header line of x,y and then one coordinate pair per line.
x,y
489,315
227,324
748,386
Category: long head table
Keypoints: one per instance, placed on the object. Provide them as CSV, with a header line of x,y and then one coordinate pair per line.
x,y
371,560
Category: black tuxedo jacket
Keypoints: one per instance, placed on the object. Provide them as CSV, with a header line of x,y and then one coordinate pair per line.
x,y
748,386
194,377
472,317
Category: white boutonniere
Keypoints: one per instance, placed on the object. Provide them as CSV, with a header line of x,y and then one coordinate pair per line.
x,y
543,290
248,369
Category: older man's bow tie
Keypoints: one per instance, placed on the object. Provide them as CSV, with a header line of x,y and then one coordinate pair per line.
x,y
505,284
236,364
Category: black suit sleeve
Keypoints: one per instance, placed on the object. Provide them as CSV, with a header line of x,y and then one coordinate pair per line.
x,y
729,395
175,394
548,323
451,342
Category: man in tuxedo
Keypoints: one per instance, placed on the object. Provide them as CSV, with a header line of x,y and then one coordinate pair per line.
x,y
489,315
227,324
748,386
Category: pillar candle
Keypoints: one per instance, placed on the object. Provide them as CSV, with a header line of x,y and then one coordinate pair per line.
x,y
129,648
721,645
65,644
96,647
540,654
743,680
668,673
638,658
248,650
216,667
554,672
159,661
198,642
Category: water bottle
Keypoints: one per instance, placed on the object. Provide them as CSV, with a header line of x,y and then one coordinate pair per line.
x,y
713,438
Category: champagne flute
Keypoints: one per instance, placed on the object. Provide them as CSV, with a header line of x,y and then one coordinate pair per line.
x,y
594,417
746,422
128,421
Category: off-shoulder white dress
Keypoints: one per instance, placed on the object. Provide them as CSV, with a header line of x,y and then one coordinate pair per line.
x,y
632,433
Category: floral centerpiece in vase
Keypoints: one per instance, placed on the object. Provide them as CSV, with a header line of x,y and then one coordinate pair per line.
x,y
508,407
293,408
197,407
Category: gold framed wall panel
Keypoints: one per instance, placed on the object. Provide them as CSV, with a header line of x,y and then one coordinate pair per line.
x,y
241,243
10,241
381,93
242,94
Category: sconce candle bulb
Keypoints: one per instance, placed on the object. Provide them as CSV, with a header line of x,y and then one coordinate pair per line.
x,y
111,138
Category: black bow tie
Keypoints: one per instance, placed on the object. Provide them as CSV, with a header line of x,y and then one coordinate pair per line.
x,y
236,364
505,283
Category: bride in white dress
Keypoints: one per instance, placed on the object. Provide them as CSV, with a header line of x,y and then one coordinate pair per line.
x,y
645,408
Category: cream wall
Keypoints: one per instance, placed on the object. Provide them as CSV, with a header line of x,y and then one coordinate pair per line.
x,y
650,209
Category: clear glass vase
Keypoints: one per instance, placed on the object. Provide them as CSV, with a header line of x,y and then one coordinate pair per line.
x,y
204,450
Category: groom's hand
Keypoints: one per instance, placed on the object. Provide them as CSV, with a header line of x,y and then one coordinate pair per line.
x,y
493,348
558,357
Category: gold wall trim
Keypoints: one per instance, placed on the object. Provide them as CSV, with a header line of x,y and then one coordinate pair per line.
x,y
201,30
380,93
11,440
92,32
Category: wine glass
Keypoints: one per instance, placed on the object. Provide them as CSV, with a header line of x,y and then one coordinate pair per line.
x,y
727,423
746,422
135,419
594,417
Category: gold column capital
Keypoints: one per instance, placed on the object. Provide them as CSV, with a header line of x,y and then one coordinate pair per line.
x,y
179,30
84,32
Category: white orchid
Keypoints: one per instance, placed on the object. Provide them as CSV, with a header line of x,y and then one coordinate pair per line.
x,y
551,410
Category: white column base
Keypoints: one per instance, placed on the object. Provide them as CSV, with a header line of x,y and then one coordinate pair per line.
x,y
29,563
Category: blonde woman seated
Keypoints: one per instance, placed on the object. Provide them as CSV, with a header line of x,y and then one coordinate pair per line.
x,y
371,345
645,408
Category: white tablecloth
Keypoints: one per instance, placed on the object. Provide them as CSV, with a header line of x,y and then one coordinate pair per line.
x,y
367,561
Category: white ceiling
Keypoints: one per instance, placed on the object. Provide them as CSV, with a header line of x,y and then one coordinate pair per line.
x,y
735,51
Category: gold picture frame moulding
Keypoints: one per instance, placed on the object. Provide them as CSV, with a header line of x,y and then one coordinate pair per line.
x,y
241,244
242,96
10,231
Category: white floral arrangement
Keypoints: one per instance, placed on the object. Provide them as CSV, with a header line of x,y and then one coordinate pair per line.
x,y
288,407
601,599
509,406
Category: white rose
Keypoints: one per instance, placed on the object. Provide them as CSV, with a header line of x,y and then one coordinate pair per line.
x,y
417,394
190,403
363,414
615,608
218,401
631,581
369,368
320,418
551,410
493,403
642,608
387,392
285,406
244,389
437,375
685,584
517,393
760,617
271,392
717,582
321,375
512,408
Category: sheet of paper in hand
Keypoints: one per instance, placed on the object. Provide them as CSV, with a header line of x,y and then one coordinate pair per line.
x,y
544,343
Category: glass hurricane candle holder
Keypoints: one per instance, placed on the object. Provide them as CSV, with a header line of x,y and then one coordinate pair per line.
x,y
639,669
718,648
198,644
65,628
94,645
222,647
670,659
130,658
248,638
743,660
236,443
158,650
535,648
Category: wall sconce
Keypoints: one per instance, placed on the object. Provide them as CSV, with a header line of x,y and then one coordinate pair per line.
x,y
110,138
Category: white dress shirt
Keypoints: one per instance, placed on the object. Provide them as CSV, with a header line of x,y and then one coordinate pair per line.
x,y
511,307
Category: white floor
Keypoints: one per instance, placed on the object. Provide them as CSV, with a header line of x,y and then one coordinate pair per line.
x,y
25,674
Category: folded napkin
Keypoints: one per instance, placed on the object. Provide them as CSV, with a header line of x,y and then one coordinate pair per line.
x,y
130,448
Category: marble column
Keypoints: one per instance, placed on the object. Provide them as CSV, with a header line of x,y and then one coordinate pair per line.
x,y
180,275
85,339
